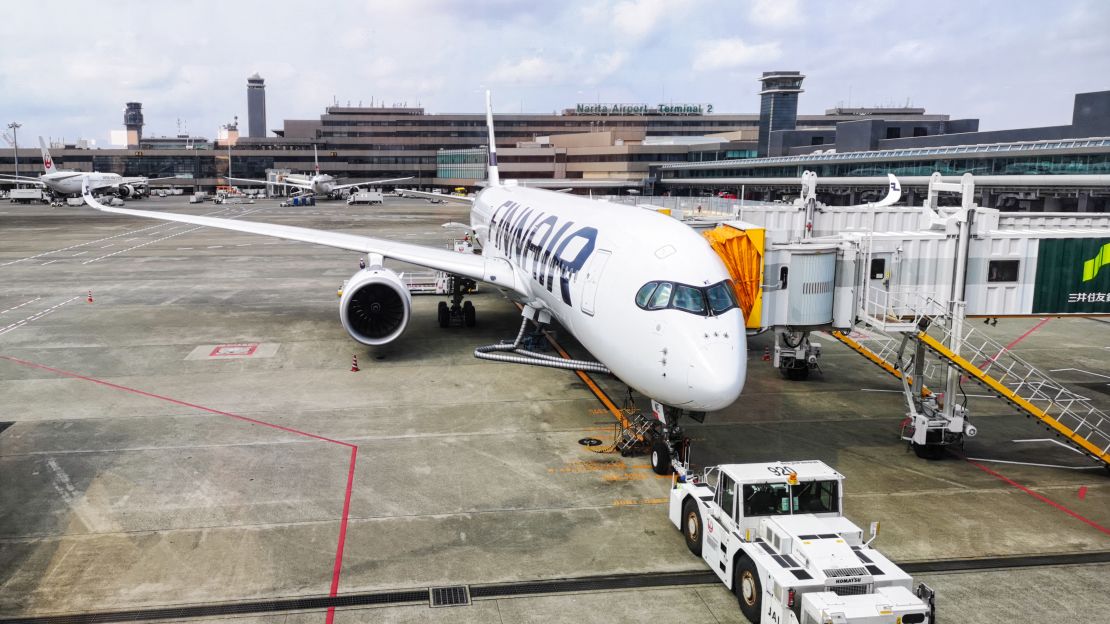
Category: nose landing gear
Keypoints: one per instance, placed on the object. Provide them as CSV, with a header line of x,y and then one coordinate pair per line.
x,y
660,435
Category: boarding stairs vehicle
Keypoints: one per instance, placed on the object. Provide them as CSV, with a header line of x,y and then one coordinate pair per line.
x,y
899,321
775,534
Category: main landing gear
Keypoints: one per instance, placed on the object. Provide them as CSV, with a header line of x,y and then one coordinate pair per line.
x,y
460,313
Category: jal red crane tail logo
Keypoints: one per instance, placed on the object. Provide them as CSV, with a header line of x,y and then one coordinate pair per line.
x,y
46,162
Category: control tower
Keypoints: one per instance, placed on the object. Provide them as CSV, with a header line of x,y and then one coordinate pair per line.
x,y
133,122
256,106
778,106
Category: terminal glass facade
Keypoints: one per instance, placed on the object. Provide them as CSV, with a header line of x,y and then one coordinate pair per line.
x,y
469,164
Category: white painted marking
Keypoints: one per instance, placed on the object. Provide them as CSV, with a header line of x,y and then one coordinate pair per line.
x,y
21,305
79,254
1074,450
184,248
157,240
1003,461
215,247
36,316
1079,370
107,246
48,262
77,503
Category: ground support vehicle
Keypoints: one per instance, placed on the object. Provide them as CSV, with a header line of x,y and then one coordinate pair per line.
x,y
774,533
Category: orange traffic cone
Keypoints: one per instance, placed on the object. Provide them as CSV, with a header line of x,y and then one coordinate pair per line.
x,y
354,363
90,300
766,354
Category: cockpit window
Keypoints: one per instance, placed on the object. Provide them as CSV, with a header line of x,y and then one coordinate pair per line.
x,y
689,299
644,294
721,297
710,300
662,296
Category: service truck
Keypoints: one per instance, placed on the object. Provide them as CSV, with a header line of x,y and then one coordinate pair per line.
x,y
27,196
365,197
776,535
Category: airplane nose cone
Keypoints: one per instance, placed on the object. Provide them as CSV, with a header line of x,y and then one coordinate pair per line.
x,y
719,377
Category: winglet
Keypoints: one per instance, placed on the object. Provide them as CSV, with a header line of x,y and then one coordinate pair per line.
x,y
494,177
47,161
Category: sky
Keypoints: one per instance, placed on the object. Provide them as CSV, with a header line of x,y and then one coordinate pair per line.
x,y
67,68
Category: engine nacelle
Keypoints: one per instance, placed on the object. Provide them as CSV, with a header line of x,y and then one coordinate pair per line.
x,y
375,306
126,190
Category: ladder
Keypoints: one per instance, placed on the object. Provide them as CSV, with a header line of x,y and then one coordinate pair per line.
x,y
1025,388
985,361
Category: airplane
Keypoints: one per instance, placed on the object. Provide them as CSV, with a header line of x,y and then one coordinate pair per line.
x,y
642,292
320,184
68,183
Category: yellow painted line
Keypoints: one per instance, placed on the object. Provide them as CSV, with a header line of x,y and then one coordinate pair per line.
x,y
1002,390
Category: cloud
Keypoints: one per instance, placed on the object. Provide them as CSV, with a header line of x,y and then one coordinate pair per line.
x,y
775,13
636,19
528,70
733,53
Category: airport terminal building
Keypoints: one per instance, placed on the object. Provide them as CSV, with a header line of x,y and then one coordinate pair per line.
x,y
683,149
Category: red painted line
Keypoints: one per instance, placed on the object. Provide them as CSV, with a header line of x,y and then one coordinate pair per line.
x,y
1026,334
1039,497
1015,341
342,534
174,401
337,569
1082,492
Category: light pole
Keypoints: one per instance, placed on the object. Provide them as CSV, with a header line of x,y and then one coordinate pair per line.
x,y
15,126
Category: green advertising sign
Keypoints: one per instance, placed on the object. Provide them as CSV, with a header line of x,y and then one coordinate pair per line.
x,y
1073,276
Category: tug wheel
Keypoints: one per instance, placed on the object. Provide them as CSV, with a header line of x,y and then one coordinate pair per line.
x,y
691,526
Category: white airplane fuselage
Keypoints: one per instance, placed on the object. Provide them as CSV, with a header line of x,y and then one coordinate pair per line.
x,y
69,182
319,184
584,261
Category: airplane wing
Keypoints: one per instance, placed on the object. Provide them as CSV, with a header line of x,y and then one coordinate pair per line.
x,y
467,265
294,184
368,183
443,196
22,179
143,180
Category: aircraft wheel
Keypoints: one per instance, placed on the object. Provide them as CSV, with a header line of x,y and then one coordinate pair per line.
x,y
469,314
661,457
444,314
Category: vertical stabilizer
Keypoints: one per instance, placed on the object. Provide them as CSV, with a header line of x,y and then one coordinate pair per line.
x,y
47,161
491,168
316,159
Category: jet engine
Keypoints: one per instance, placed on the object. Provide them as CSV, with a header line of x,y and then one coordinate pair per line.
x,y
375,306
126,190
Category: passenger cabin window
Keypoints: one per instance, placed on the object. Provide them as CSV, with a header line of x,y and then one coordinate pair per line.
x,y
1003,270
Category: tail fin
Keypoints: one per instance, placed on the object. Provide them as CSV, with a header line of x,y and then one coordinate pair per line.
x,y
47,161
316,159
491,168
893,194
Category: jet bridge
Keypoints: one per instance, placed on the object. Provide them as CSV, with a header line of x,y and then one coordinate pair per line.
x,y
910,276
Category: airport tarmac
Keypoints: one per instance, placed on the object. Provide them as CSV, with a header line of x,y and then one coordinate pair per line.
x,y
194,439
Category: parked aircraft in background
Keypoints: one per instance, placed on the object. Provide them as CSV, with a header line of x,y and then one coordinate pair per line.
x,y
68,183
320,184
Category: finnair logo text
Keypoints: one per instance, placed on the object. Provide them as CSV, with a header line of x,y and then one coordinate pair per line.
x,y
541,245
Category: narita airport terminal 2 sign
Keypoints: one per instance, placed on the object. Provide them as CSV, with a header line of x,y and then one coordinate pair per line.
x,y
643,109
